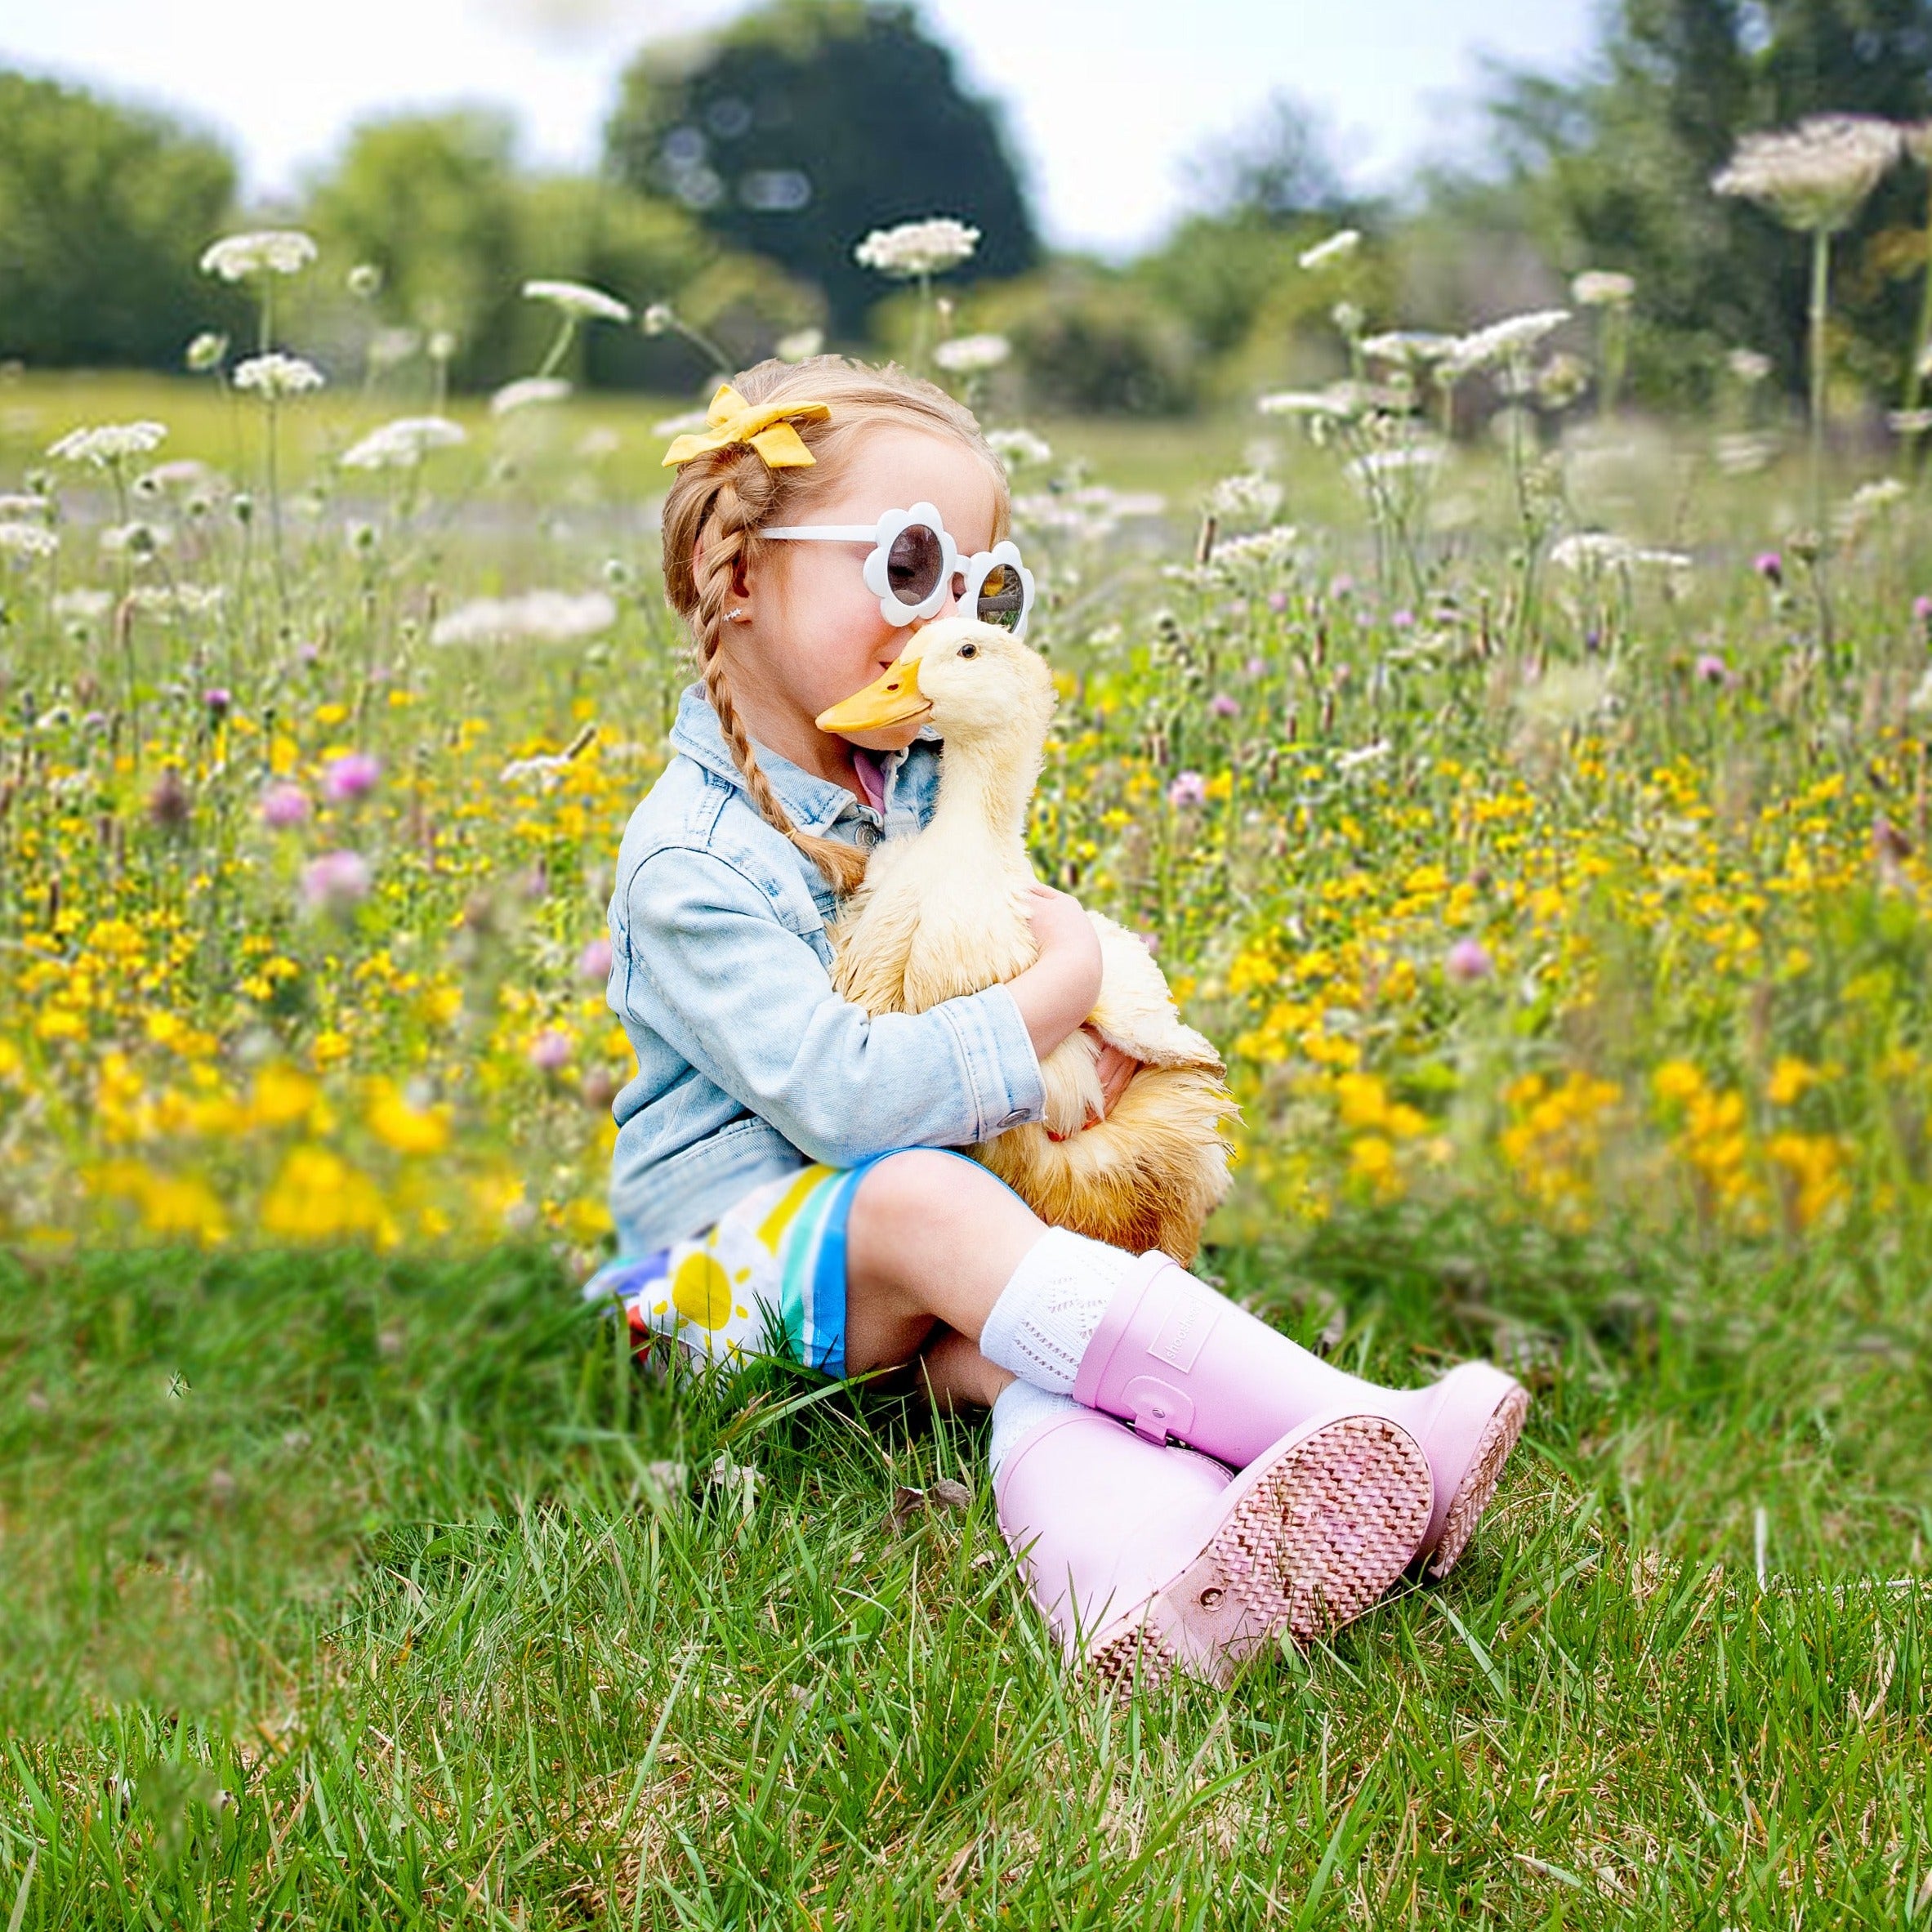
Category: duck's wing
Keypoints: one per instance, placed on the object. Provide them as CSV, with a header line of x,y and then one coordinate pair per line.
x,y
1136,1010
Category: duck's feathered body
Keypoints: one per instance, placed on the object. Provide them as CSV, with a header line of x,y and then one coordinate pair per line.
x,y
944,913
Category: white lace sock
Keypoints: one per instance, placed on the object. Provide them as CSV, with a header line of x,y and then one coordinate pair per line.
x,y
1046,1315
1020,1410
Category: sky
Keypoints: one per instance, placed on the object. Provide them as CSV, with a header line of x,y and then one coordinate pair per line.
x,y
1105,99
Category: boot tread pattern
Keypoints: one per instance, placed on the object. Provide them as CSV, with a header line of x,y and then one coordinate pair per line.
x,y
1326,1531
1479,1479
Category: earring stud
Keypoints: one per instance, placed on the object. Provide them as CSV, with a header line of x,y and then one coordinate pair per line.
x,y
734,617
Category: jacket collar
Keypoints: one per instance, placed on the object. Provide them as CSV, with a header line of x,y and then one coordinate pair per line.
x,y
814,805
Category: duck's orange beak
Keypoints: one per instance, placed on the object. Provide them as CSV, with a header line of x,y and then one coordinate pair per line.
x,y
893,699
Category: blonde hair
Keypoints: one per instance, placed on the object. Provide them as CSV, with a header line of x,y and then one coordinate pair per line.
x,y
719,502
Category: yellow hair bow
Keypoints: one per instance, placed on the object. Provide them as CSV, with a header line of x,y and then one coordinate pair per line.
x,y
768,429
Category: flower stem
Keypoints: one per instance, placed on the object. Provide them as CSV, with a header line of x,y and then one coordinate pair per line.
x,y
1821,293
1915,375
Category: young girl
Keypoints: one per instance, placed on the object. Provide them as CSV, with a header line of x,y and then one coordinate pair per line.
x,y
780,1178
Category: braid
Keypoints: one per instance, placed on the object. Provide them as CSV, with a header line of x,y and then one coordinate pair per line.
x,y
744,489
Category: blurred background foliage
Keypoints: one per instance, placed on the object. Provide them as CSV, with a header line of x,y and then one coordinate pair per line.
x,y
741,167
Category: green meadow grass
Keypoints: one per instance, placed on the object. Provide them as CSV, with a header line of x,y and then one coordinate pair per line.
x,y
342,1590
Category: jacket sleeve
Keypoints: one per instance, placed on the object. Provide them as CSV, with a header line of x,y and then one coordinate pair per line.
x,y
709,966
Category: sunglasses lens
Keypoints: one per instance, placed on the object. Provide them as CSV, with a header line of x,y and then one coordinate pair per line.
x,y
913,562
1002,598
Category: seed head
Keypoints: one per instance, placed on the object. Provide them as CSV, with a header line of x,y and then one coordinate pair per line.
x,y
1815,176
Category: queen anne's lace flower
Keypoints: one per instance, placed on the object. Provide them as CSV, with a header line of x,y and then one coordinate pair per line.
x,y
1338,247
528,392
914,248
275,375
1814,176
971,355
1015,446
107,443
541,616
27,540
403,444
799,345
265,251
1507,341
579,300
1602,288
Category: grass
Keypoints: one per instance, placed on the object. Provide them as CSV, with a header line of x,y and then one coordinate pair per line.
x,y
338,1589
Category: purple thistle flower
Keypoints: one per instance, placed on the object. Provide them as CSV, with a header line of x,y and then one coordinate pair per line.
x,y
1770,566
593,963
217,698
336,882
1712,670
1256,668
1189,789
550,1052
1278,601
1921,610
1467,962
284,807
1402,620
350,777
1223,706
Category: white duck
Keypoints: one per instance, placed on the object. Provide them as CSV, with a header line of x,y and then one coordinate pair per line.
x,y
944,913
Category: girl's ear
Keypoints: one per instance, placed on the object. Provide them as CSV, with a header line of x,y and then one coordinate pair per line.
x,y
741,576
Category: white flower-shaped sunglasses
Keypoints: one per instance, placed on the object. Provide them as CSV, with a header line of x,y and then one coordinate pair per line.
x,y
914,564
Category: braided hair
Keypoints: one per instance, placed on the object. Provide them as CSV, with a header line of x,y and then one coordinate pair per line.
x,y
719,502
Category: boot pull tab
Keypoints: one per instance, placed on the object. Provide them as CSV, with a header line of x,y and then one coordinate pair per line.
x,y
1158,1408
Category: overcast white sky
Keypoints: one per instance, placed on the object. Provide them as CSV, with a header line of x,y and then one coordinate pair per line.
x,y
1105,98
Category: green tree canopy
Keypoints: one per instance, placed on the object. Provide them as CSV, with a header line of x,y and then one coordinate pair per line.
x,y
801,127
1614,171
103,213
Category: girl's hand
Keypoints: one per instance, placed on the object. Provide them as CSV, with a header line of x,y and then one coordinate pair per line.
x,y
1057,992
1116,1070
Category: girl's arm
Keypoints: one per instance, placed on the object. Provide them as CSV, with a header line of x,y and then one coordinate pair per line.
x,y
704,963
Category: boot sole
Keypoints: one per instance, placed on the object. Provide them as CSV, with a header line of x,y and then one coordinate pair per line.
x,y
1310,1537
1479,1481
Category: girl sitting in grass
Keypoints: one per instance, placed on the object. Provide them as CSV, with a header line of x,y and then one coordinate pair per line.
x,y
1182,1483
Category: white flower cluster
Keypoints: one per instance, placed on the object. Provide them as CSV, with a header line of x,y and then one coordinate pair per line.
x,y
800,346
579,300
1338,247
27,540
1340,402
914,248
1506,342
528,392
539,617
1602,288
266,251
1589,551
1408,348
83,606
403,444
1248,495
972,355
1016,447
1814,176
108,444
275,375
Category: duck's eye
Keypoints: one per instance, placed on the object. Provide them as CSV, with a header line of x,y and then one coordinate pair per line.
x,y
969,650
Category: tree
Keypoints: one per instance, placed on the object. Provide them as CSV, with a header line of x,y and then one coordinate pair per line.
x,y
1614,171
800,127
103,212
1281,167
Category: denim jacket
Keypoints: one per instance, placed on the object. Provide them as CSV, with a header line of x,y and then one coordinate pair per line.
x,y
748,1063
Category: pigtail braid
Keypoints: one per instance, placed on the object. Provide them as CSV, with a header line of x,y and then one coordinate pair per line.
x,y
739,502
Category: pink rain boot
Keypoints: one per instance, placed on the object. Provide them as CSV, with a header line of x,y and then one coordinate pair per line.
x,y
1146,1561
1175,1358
